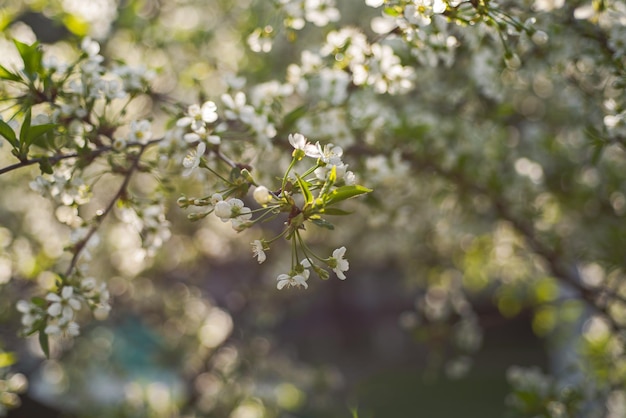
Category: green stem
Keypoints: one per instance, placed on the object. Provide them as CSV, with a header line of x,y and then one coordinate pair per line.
x,y
291,165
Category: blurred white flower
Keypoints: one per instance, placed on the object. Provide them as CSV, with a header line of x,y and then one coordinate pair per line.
x,y
192,160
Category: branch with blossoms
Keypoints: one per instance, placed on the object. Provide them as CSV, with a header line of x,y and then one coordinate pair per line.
x,y
304,197
75,123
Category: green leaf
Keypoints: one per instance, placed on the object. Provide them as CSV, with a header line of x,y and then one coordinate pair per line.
x,y
44,343
45,167
41,302
31,55
322,223
8,75
335,211
308,196
36,134
346,192
24,134
392,11
7,132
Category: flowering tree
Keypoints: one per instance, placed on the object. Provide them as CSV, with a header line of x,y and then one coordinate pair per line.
x,y
476,147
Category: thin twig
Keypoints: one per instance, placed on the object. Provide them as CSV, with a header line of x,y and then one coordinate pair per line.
x,y
82,244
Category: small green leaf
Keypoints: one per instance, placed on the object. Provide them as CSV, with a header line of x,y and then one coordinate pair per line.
x,y
36,134
45,167
31,55
346,192
308,196
392,11
8,75
24,134
7,132
322,223
41,302
335,211
44,343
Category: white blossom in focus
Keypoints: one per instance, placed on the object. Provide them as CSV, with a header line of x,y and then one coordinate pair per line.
x,y
297,280
338,263
299,142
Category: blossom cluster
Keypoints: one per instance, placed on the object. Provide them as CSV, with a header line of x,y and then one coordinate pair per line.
x,y
56,313
329,175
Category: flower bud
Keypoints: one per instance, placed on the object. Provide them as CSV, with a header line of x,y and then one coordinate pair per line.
x,y
512,61
197,216
262,195
183,202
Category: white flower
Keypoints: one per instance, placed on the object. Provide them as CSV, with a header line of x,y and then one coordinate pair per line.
x,y
52,329
293,281
202,134
215,197
321,12
237,107
198,116
260,41
119,144
192,160
70,327
63,305
222,210
140,131
29,312
299,142
258,249
338,263
233,210
262,195
330,154
209,112
421,11
91,47
112,89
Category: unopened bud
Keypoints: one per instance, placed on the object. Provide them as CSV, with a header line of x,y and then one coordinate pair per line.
x,y
262,195
183,202
197,216
246,175
512,61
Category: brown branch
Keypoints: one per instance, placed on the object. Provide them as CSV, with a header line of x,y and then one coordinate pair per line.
x,y
82,244
59,157
53,160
